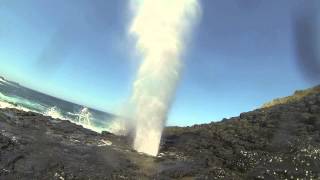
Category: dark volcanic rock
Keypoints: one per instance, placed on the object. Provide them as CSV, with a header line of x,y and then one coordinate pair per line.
x,y
278,142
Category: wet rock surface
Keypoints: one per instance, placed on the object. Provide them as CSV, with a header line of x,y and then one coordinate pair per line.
x,y
277,142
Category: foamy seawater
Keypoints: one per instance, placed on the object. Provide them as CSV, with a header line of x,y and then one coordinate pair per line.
x,y
12,95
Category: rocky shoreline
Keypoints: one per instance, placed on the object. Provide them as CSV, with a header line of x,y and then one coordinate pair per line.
x,y
281,141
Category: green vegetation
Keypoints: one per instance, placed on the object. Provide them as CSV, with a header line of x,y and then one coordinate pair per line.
x,y
298,95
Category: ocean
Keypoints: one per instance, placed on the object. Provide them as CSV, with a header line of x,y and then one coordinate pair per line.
x,y
13,95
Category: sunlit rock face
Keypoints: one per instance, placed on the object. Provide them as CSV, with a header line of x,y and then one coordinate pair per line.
x,y
160,28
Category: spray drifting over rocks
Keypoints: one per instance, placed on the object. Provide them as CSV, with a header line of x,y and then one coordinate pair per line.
x,y
160,28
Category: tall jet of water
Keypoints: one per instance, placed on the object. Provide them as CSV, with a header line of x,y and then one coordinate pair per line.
x,y
160,28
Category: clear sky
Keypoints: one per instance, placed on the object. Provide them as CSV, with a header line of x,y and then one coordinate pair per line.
x,y
241,54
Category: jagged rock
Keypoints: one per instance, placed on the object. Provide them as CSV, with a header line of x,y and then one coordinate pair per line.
x,y
281,141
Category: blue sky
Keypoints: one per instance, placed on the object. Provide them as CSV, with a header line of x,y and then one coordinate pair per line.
x,y
241,54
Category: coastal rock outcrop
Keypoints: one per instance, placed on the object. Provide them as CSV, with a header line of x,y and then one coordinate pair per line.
x,y
279,141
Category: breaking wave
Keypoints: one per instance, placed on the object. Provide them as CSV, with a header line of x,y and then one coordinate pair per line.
x,y
55,113
82,116
19,103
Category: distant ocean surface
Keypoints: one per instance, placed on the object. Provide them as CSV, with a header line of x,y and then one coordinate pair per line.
x,y
13,95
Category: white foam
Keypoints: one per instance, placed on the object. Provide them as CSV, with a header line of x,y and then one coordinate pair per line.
x,y
4,105
55,113
2,80
84,117
5,82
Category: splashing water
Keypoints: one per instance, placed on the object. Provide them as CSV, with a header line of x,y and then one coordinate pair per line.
x,y
84,118
54,112
14,96
160,27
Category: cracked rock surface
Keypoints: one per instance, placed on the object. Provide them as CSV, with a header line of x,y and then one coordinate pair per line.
x,y
280,141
